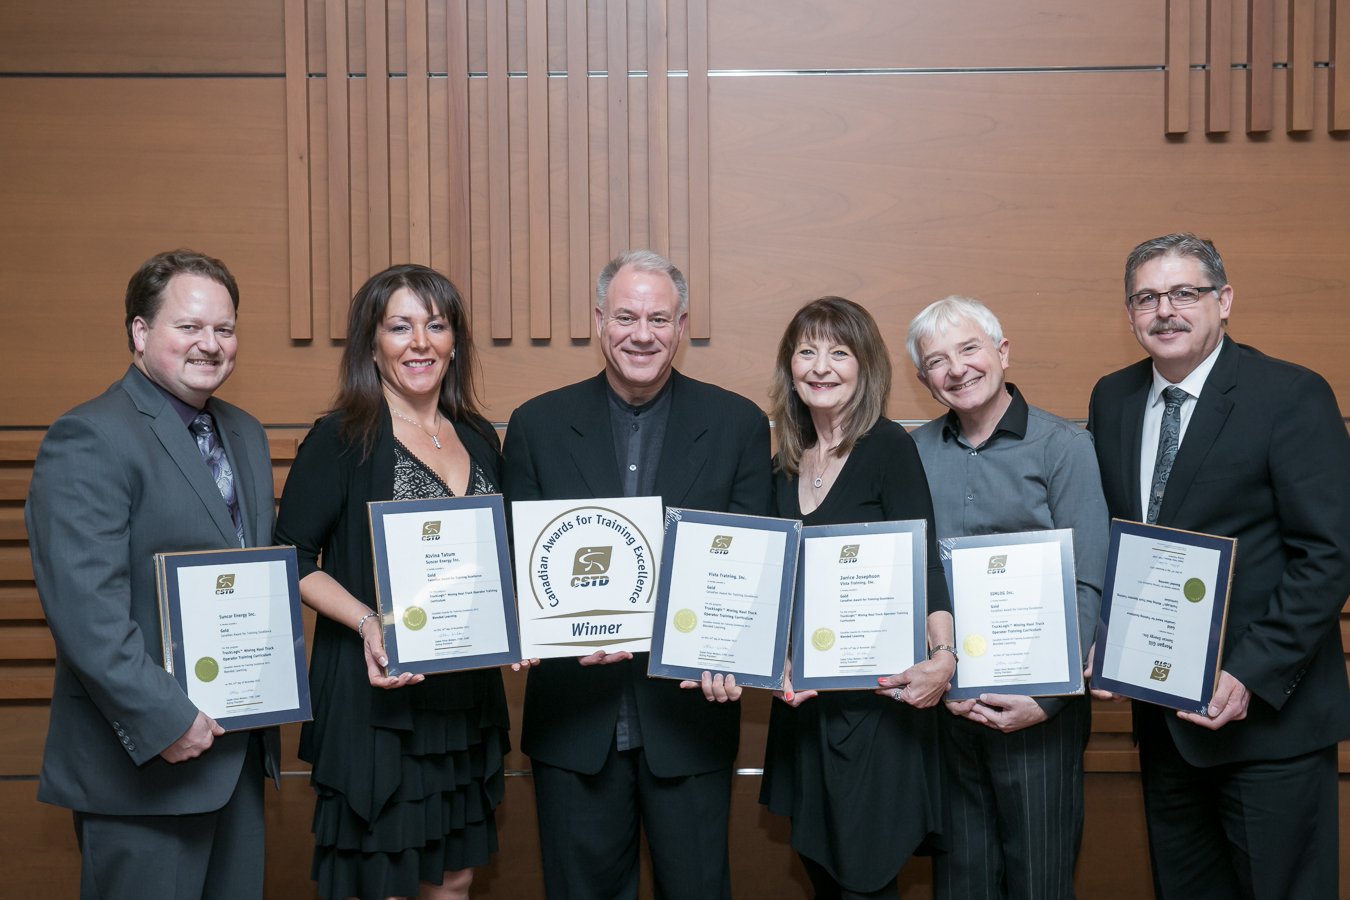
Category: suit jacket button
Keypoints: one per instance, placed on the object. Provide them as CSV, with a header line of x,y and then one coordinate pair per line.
x,y
131,748
117,725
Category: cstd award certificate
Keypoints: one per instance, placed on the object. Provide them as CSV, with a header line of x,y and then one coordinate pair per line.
x,y
1164,611
1015,605
725,597
860,610
233,636
586,574
443,582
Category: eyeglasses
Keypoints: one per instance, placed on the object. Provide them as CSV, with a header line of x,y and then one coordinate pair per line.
x,y
1179,297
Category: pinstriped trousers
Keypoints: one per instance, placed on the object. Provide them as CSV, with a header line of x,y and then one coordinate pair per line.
x,y
1015,816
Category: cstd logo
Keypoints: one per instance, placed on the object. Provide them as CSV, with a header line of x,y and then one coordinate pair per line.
x,y
721,545
590,565
1161,670
998,564
225,584
431,531
848,554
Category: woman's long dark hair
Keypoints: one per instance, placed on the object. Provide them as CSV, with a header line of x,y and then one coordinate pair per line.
x,y
360,393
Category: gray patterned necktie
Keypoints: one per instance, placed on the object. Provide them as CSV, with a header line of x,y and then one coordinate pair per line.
x,y
203,428
1169,439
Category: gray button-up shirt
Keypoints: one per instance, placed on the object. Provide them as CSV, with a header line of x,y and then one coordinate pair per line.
x,y
639,432
1036,472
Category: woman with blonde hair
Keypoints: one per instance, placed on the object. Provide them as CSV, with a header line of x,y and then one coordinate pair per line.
x,y
857,771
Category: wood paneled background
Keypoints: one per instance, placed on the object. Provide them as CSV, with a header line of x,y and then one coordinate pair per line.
x,y
892,151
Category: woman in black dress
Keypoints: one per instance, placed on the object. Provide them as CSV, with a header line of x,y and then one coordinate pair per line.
x,y
857,771
408,770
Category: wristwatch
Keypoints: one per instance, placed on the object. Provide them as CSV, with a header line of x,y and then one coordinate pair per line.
x,y
951,650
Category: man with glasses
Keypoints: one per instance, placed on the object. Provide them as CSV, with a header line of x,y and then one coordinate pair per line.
x,y
611,747
1213,436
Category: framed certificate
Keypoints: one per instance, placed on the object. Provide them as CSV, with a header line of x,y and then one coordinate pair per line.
x,y
1015,602
233,637
1164,611
861,606
725,597
586,574
443,582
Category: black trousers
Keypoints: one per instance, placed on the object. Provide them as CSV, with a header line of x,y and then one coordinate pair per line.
x,y
1016,808
588,830
1253,830
204,856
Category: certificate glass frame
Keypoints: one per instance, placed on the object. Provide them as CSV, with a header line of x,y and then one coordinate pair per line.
x,y
1216,628
790,529
918,531
380,511
1073,652
170,569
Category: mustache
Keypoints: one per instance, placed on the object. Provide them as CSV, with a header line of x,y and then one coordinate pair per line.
x,y
1166,327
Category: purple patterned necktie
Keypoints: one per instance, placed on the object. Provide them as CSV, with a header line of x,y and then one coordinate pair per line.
x,y
204,430
1169,439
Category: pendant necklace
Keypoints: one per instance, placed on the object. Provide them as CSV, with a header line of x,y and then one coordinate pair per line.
x,y
433,437
821,478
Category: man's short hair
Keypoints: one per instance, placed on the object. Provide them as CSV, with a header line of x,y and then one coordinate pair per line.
x,y
1182,244
945,313
145,290
641,261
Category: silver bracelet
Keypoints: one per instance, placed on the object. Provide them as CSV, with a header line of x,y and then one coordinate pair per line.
x,y
948,648
362,622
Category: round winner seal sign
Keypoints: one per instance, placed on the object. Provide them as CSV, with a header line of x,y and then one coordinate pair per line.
x,y
591,555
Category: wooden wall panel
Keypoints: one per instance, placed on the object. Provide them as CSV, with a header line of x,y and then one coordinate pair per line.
x,y
150,36
851,34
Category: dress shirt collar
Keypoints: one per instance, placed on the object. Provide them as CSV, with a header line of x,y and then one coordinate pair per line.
x,y
1014,419
1192,384
623,405
185,412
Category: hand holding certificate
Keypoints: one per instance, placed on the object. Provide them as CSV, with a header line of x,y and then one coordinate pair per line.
x,y
443,581
861,604
1164,610
233,636
725,597
1014,599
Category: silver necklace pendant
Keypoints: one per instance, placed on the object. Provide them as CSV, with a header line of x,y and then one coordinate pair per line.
x,y
434,441
819,482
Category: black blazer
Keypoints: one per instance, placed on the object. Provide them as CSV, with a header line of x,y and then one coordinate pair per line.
x,y
1266,460
560,446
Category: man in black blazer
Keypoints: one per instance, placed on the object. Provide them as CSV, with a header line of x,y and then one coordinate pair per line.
x,y
1213,436
609,746
166,805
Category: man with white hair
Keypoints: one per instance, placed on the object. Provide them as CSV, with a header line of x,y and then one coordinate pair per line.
x,y
995,466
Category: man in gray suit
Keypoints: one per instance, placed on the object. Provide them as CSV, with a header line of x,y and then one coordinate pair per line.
x,y
166,804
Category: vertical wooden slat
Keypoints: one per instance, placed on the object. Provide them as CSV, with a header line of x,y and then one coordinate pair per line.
x,y
419,136
616,84
1338,91
1177,92
1219,75
297,172
536,74
339,171
457,68
499,172
658,129
377,132
1300,75
1260,66
578,173
700,225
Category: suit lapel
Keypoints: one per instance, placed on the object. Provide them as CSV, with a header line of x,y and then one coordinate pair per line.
x,y
182,449
1132,430
682,456
1211,411
591,443
236,451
